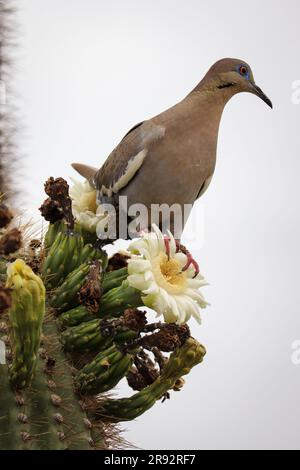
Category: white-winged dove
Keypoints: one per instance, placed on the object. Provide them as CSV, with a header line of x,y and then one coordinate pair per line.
x,y
170,159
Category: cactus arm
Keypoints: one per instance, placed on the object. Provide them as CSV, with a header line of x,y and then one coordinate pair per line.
x,y
75,316
65,297
114,302
105,371
87,337
114,279
180,363
64,256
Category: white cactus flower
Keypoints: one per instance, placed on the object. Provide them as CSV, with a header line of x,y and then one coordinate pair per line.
x,y
85,209
166,287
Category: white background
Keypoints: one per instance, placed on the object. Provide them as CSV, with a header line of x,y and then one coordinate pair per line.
x,y
89,70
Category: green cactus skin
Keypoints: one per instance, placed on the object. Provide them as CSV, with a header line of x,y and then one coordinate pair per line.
x,y
90,253
113,303
52,232
105,371
26,318
65,297
3,268
180,363
89,238
63,257
87,337
114,279
47,415
75,317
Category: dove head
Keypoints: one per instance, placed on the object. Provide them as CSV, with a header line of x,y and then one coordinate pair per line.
x,y
231,76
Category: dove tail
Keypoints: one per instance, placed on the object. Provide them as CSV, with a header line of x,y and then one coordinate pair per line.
x,y
88,172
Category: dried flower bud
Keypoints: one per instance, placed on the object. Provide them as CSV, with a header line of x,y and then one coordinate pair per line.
x,y
118,261
51,211
134,319
5,216
135,380
146,368
170,337
91,292
10,242
56,188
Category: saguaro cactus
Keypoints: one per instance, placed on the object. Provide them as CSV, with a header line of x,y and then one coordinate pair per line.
x,y
69,343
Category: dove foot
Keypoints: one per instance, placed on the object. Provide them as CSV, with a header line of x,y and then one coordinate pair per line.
x,y
182,248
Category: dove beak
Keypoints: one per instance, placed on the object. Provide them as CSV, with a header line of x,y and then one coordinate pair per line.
x,y
258,92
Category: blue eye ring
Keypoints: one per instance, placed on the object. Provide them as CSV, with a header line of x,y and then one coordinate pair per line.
x,y
244,71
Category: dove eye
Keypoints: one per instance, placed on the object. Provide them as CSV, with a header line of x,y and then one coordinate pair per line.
x,y
243,70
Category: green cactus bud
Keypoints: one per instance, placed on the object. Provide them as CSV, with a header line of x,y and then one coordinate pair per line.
x,y
64,256
88,337
105,371
26,317
180,363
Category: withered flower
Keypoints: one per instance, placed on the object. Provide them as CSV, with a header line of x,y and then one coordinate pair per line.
x,y
91,292
10,242
118,261
168,338
51,211
134,319
58,190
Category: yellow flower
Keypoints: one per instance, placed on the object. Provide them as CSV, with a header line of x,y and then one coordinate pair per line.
x,y
166,287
